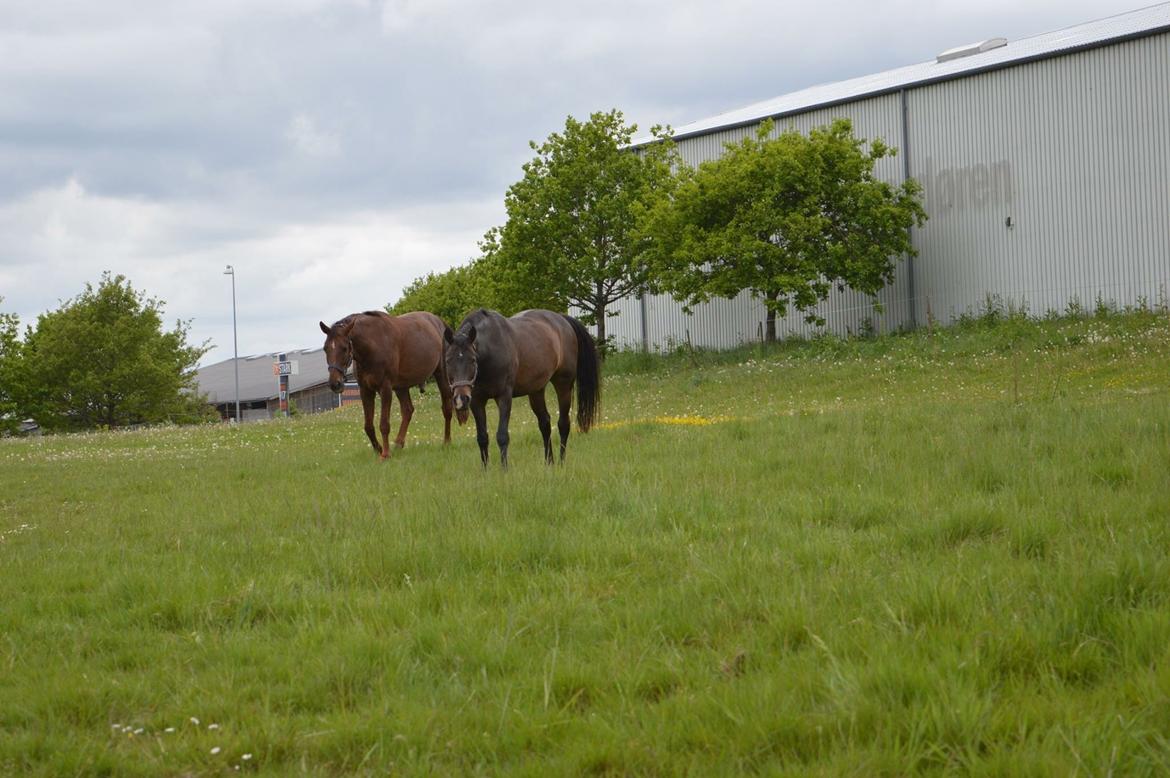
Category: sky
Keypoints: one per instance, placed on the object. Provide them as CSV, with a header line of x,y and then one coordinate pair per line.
x,y
331,151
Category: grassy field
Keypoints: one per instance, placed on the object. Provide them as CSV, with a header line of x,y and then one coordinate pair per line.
x,y
945,552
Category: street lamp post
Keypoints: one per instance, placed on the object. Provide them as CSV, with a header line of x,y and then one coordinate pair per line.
x,y
231,271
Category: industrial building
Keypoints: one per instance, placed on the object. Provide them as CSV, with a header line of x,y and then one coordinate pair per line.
x,y
259,391
1045,164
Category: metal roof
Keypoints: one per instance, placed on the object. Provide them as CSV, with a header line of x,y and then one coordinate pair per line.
x,y
1132,24
257,382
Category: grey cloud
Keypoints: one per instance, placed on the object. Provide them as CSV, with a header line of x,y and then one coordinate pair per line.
x,y
335,150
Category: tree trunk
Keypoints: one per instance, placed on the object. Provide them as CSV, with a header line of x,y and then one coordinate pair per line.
x,y
770,322
599,313
601,331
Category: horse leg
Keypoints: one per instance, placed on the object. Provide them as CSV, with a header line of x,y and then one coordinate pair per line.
x,y
448,404
384,422
406,409
504,404
481,433
564,402
368,408
536,400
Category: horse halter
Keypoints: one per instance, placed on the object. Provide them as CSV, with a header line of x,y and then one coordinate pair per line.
x,y
469,382
348,362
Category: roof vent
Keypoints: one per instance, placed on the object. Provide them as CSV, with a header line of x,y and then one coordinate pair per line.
x,y
971,49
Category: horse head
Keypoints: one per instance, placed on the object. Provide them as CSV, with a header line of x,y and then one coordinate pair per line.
x,y
338,351
462,362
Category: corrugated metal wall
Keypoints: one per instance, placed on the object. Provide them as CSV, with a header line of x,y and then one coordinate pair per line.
x,y
1075,150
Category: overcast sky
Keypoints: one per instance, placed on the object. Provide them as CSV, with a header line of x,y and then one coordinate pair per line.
x,y
333,150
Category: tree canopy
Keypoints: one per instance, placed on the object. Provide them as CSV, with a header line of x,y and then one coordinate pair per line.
x,y
103,359
571,237
785,217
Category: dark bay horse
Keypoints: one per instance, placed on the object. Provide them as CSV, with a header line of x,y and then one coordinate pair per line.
x,y
389,354
490,357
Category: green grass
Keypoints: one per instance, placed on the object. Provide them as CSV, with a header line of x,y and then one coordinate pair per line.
x,y
932,553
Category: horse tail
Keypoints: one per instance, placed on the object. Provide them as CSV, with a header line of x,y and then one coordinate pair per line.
x,y
588,376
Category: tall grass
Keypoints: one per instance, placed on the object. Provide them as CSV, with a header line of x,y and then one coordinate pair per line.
x,y
863,557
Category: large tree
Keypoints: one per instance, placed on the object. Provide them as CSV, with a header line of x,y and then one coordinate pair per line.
x,y
786,217
103,360
571,237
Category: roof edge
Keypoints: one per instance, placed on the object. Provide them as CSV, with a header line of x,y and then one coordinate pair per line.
x,y
916,84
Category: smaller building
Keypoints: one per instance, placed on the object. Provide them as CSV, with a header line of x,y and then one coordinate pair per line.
x,y
28,427
308,387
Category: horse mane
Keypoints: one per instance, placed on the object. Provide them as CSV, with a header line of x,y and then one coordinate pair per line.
x,y
347,319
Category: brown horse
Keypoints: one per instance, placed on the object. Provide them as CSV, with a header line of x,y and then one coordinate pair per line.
x,y
491,357
389,354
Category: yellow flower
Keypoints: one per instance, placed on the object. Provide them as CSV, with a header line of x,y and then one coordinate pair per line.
x,y
686,421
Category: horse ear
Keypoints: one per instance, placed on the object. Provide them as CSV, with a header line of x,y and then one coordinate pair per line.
x,y
471,334
324,328
347,328
448,335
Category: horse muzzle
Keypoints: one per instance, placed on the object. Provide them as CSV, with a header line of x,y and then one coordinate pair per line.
x,y
337,384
